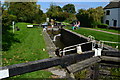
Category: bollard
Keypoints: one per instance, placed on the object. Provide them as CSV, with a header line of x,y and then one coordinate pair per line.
x,y
63,52
98,52
4,73
79,49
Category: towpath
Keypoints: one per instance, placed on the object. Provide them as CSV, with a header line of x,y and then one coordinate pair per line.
x,y
101,31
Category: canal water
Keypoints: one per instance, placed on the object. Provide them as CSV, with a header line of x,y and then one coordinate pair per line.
x,y
58,43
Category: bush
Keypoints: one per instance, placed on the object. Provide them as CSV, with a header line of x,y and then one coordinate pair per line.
x,y
102,26
114,28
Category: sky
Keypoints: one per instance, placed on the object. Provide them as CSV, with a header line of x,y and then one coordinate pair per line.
x,y
78,5
59,0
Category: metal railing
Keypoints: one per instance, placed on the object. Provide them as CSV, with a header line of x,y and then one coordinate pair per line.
x,y
74,47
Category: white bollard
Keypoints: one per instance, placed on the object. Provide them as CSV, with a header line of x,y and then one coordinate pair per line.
x,y
4,73
99,51
96,52
79,49
63,52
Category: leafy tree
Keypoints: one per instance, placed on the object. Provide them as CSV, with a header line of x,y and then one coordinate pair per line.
x,y
18,11
70,17
23,10
70,8
44,16
26,11
83,17
96,15
55,12
91,17
59,8
38,16
7,36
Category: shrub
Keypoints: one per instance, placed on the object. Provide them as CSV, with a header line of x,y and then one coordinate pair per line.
x,y
115,28
102,26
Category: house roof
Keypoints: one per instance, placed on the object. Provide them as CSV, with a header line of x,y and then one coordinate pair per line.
x,y
112,5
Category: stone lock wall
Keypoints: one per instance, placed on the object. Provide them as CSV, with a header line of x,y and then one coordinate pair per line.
x,y
71,38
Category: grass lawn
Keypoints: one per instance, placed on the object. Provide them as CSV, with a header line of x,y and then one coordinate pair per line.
x,y
29,48
98,35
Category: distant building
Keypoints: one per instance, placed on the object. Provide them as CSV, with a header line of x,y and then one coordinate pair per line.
x,y
112,14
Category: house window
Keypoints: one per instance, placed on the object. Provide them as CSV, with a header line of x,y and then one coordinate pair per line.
x,y
108,12
107,22
115,23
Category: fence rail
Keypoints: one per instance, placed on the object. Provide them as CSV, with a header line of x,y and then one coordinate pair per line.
x,y
86,59
22,68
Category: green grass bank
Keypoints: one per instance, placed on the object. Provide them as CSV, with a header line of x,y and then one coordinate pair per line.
x,y
30,47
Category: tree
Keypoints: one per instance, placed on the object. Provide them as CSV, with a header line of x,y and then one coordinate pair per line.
x,y
55,12
23,10
26,11
91,17
96,15
38,16
18,11
7,36
59,8
83,17
70,8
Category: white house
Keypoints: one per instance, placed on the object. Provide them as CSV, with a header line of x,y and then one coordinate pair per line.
x,y
112,14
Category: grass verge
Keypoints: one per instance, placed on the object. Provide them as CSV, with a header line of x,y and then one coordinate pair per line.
x,y
30,47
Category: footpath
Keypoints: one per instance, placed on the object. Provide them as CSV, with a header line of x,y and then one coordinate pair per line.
x,y
102,31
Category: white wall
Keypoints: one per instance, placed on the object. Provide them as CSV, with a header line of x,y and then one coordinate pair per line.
x,y
119,17
113,16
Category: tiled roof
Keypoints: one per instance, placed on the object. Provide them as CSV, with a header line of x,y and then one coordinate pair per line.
x,y
112,5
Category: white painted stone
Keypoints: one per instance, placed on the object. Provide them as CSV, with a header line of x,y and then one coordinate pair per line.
x,y
29,25
99,51
96,53
79,49
4,73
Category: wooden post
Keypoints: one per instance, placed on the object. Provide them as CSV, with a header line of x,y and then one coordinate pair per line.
x,y
69,75
95,75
